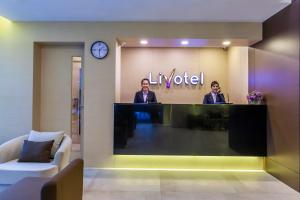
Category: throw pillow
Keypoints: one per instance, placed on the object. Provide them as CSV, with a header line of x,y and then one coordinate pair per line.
x,y
36,136
36,151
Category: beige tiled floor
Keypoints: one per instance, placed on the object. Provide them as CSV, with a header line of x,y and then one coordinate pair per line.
x,y
155,185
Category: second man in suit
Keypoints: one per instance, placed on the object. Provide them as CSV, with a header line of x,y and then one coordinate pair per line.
x,y
145,95
215,96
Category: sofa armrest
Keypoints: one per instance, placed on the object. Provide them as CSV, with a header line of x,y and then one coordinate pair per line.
x,y
27,188
62,155
11,149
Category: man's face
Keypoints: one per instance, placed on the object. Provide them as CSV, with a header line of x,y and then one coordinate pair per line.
x,y
215,88
145,85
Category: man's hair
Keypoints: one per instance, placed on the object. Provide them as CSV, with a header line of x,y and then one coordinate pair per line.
x,y
144,79
214,83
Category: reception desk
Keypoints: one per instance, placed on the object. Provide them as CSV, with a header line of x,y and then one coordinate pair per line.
x,y
186,129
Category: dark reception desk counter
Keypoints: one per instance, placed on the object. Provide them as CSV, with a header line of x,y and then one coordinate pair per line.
x,y
187,129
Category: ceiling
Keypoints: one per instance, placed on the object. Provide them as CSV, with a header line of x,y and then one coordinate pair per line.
x,y
142,10
176,42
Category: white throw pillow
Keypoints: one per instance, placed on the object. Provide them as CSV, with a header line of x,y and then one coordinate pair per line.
x,y
36,136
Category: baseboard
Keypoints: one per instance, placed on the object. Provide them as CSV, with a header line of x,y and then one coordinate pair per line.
x,y
284,174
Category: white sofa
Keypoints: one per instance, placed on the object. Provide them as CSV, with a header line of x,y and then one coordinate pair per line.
x,y
12,171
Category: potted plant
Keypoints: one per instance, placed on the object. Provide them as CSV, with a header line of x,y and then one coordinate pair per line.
x,y
255,97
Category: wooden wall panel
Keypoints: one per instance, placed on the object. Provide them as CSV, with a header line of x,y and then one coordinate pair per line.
x,y
274,70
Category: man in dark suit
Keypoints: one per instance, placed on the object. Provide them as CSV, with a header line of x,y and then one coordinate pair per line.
x,y
145,95
215,96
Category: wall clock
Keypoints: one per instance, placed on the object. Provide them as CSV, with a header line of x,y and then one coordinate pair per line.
x,y
99,49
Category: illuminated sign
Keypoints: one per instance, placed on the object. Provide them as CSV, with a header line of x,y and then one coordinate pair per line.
x,y
178,79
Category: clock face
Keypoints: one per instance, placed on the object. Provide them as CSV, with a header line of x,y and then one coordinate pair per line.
x,y
99,49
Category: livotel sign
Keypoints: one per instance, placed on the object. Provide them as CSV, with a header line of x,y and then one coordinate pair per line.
x,y
177,79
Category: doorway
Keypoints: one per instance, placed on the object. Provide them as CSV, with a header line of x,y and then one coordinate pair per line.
x,y
77,102
56,99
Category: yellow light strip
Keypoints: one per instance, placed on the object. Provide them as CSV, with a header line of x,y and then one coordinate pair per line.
x,y
5,26
187,163
5,20
192,170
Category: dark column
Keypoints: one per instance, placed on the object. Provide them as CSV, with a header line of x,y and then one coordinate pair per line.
x,y
274,70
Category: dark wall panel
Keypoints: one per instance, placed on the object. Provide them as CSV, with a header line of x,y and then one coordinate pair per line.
x,y
274,70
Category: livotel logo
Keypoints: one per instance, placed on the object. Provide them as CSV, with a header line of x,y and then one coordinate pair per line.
x,y
193,80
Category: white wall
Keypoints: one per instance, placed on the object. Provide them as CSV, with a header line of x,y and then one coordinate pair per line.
x,y
118,74
138,62
76,78
16,71
237,74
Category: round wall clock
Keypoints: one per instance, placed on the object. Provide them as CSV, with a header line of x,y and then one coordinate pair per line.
x,y
99,49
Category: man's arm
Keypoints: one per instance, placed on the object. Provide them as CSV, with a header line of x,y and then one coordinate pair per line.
x,y
205,99
135,98
154,98
222,98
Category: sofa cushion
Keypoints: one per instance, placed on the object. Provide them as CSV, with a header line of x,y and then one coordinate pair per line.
x,y
36,151
46,136
13,171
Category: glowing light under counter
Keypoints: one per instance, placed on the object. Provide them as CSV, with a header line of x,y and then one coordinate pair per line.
x,y
188,163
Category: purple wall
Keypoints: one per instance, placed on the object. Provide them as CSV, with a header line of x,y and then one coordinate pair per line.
x,y
274,70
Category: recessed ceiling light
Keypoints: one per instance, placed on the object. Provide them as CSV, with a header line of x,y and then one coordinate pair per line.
x,y
184,42
226,43
144,42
